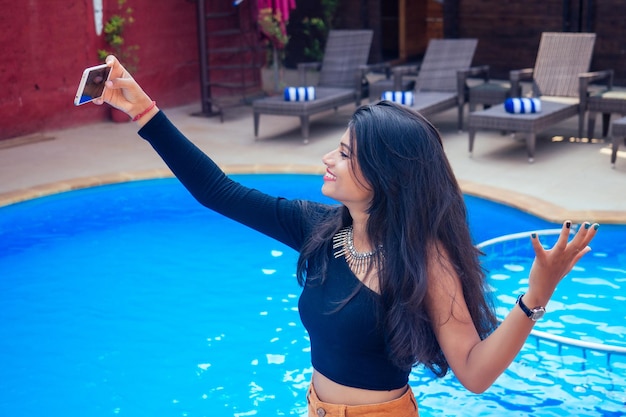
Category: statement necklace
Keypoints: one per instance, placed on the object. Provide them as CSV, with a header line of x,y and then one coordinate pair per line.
x,y
343,244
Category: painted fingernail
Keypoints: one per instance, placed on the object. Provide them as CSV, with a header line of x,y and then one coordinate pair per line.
x,y
568,224
533,235
595,226
587,225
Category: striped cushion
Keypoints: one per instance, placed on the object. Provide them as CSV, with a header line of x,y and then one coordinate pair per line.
x,y
299,93
522,105
400,97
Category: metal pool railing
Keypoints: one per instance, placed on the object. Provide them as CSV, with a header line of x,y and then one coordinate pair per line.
x,y
559,341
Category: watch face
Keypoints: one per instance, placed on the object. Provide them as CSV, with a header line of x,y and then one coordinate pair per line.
x,y
537,313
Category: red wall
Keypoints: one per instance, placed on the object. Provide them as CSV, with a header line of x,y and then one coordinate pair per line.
x,y
45,45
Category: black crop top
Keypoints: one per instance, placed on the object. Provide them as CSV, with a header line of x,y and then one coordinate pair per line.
x,y
347,342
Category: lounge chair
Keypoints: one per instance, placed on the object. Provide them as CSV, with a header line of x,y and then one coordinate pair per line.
x,y
619,135
561,58
340,80
487,93
437,86
605,99
393,81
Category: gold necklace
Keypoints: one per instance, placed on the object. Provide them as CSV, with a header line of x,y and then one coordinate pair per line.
x,y
343,244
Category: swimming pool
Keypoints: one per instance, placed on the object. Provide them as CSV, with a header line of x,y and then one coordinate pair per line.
x,y
585,308
132,299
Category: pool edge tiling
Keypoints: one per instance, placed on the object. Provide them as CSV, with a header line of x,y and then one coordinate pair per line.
x,y
539,207
523,202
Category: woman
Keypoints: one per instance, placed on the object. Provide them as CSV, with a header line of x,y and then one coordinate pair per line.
x,y
390,277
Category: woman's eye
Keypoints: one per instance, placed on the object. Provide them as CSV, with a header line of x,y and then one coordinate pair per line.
x,y
344,155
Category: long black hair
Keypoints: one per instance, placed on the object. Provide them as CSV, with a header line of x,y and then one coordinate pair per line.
x,y
417,206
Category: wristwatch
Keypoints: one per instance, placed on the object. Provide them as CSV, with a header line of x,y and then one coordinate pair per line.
x,y
533,313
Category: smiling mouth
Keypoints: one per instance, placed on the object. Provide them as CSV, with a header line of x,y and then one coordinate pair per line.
x,y
329,176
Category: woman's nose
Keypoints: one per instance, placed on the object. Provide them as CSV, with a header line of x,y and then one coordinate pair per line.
x,y
327,159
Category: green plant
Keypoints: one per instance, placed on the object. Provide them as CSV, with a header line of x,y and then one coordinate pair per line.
x,y
114,37
274,31
317,28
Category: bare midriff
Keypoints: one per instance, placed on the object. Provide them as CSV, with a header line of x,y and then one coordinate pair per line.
x,y
331,392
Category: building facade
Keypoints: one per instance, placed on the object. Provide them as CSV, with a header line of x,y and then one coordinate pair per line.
x,y
47,43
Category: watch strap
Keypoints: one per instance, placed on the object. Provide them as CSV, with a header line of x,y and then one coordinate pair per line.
x,y
533,314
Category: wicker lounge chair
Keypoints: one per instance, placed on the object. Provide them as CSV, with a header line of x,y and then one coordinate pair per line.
x,y
619,135
606,100
437,86
340,80
561,58
400,81
487,93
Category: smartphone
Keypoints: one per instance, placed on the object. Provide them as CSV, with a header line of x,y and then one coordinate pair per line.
x,y
91,84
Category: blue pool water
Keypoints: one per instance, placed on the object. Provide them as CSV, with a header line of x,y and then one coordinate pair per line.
x,y
586,307
133,300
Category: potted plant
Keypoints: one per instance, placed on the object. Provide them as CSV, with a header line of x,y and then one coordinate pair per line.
x,y
274,32
113,33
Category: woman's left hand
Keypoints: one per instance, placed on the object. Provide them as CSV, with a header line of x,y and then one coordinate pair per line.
x,y
551,265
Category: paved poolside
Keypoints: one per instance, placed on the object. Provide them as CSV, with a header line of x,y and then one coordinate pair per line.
x,y
570,178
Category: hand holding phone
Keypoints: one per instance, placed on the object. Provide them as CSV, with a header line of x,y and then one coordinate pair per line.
x,y
121,92
91,84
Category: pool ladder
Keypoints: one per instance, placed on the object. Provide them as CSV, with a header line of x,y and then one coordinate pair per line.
x,y
560,341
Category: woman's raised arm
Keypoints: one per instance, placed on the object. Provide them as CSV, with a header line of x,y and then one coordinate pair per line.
x,y
478,363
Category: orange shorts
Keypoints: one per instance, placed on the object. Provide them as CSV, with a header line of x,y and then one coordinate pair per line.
x,y
405,406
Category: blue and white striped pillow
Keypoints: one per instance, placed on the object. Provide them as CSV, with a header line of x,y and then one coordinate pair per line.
x,y
299,93
400,97
522,105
